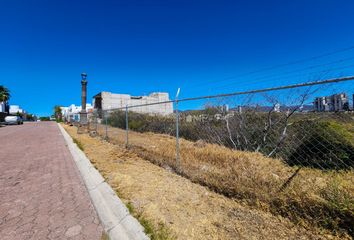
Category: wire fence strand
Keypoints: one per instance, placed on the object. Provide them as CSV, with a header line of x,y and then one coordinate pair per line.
x,y
262,145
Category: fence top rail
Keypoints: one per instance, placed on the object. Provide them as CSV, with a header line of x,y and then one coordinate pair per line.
x,y
332,80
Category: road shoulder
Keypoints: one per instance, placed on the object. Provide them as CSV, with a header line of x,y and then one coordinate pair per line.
x,y
114,216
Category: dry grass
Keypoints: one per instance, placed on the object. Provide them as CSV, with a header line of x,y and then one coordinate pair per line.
x,y
187,210
312,198
104,236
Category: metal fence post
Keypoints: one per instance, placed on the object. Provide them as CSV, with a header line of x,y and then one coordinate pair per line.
x,y
126,126
96,123
106,125
177,138
178,163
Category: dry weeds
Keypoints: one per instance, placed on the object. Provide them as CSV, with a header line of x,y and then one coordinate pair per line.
x,y
191,211
312,198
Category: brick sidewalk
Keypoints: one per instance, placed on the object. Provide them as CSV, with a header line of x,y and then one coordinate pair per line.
x,y
42,195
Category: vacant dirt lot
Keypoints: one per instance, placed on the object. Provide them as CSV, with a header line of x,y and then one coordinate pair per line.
x,y
189,210
309,197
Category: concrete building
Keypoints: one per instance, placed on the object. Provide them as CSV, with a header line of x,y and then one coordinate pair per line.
x,y
333,103
14,109
107,100
72,112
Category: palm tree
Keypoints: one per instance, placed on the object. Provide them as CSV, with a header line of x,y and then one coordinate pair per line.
x,y
4,97
4,94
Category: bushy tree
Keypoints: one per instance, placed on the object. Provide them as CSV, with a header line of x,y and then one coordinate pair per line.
x,y
57,113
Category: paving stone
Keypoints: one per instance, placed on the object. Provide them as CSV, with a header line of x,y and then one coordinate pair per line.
x,y
73,231
42,195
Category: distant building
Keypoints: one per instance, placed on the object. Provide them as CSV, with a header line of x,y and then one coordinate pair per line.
x,y
14,109
239,109
276,107
2,107
3,111
72,112
108,100
333,103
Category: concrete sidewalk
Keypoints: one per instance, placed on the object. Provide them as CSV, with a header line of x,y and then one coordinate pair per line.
x,y
41,192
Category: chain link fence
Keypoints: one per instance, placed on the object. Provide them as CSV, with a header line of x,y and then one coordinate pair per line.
x,y
272,149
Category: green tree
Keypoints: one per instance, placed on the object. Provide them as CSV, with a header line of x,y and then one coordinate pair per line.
x,y
30,117
57,113
44,118
4,94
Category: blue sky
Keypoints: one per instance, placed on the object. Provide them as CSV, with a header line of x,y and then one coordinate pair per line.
x,y
137,47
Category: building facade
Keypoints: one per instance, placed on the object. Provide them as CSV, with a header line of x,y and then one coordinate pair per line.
x,y
333,103
14,109
72,112
107,100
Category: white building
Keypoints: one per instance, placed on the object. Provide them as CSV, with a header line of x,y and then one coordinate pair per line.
x,y
108,100
14,109
333,103
72,112
276,107
2,107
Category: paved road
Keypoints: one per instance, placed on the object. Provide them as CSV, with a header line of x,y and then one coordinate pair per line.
x,y
41,193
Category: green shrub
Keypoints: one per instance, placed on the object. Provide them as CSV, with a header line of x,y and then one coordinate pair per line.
x,y
321,146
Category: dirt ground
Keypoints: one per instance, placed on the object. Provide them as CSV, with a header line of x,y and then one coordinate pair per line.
x,y
189,210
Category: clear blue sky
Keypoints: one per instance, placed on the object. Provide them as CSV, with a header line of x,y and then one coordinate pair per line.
x,y
137,47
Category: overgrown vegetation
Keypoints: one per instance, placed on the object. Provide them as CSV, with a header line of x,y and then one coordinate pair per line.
x,y
324,144
309,198
189,210
306,139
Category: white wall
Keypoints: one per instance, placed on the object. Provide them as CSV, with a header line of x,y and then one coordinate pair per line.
x,y
112,101
73,111
15,109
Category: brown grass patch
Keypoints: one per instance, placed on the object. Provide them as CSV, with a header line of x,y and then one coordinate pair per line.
x,y
311,199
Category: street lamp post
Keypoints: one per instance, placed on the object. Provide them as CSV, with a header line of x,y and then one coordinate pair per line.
x,y
83,113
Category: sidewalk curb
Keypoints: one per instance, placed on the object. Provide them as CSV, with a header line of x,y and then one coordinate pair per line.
x,y
114,215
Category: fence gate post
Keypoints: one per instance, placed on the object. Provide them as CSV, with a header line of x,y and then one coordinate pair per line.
x,y
106,116
126,126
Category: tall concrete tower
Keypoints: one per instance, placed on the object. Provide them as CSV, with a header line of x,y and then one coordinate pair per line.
x,y
83,113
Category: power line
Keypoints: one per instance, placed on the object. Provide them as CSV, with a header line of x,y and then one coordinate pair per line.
x,y
296,75
282,65
272,89
267,79
333,80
